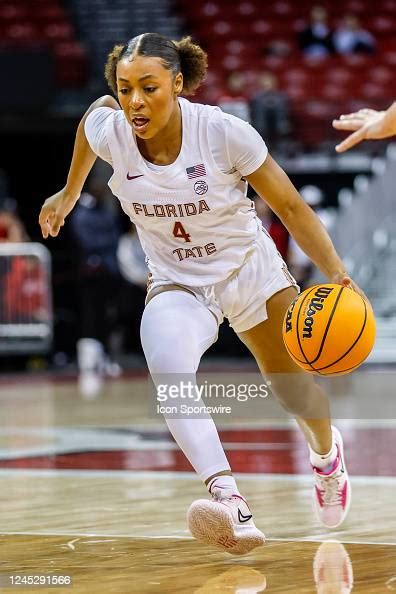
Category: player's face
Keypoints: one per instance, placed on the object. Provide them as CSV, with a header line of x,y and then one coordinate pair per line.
x,y
147,93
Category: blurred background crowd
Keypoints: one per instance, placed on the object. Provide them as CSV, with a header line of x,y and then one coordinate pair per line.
x,y
288,66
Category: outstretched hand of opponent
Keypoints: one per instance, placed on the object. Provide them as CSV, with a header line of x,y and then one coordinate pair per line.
x,y
366,124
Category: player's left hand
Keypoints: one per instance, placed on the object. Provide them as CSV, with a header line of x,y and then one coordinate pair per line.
x,y
346,281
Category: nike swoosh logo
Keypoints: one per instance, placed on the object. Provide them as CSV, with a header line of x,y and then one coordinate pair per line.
x,y
243,518
134,176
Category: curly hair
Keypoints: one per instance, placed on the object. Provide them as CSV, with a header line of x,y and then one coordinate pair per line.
x,y
183,56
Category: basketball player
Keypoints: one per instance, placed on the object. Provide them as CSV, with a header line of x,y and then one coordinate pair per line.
x,y
368,124
180,172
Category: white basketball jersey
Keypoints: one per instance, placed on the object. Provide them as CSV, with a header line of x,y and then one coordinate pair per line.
x,y
195,223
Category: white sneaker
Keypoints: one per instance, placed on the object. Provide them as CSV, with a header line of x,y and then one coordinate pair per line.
x,y
332,490
243,580
224,522
90,384
90,355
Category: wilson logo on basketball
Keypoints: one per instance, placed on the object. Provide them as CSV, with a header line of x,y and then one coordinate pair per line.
x,y
331,329
315,305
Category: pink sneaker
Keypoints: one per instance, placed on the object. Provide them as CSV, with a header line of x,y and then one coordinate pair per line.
x,y
224,522
332,490
332,569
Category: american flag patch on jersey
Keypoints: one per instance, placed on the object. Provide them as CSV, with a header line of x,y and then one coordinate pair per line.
x,y
196,171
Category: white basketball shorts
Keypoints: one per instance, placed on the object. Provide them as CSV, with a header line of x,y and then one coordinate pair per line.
x,y
242,297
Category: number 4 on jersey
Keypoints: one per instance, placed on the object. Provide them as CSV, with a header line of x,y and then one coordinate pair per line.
x,y
179,231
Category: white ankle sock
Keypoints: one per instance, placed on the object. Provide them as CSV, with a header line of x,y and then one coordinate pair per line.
x,y
225,482
323,461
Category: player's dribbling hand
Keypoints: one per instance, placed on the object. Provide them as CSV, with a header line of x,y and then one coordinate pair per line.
x,y
53,213
346,281
366,123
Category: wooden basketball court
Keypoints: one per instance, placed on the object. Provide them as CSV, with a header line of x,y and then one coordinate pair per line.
x,y
97,490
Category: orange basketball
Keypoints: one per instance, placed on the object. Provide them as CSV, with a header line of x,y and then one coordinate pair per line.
x,y
329,329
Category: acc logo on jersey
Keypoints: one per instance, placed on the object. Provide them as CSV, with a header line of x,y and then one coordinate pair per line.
x,y
200,187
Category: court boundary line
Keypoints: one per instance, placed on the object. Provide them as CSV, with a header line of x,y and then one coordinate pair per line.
x,y
313,538
166,475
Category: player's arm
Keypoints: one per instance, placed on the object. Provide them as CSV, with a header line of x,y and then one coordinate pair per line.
x,y
273,185
57,207
367,124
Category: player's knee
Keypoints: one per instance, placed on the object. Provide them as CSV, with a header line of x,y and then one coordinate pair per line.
x,y
175,331
168,356
166,351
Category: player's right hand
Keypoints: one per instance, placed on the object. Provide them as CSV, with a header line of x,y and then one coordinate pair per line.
x,y
342,278
53,213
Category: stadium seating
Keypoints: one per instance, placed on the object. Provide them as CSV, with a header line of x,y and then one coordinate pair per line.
x,y
45,24
103,23
254,36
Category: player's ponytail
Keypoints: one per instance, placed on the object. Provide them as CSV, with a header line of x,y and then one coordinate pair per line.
x,y
178,56
193,64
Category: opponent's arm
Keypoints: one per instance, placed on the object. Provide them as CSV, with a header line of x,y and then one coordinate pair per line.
x,y
273,185
368,124
57,207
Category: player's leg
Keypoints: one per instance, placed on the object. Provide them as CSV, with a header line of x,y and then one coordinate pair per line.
x,y
176,330
301,396
295,389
